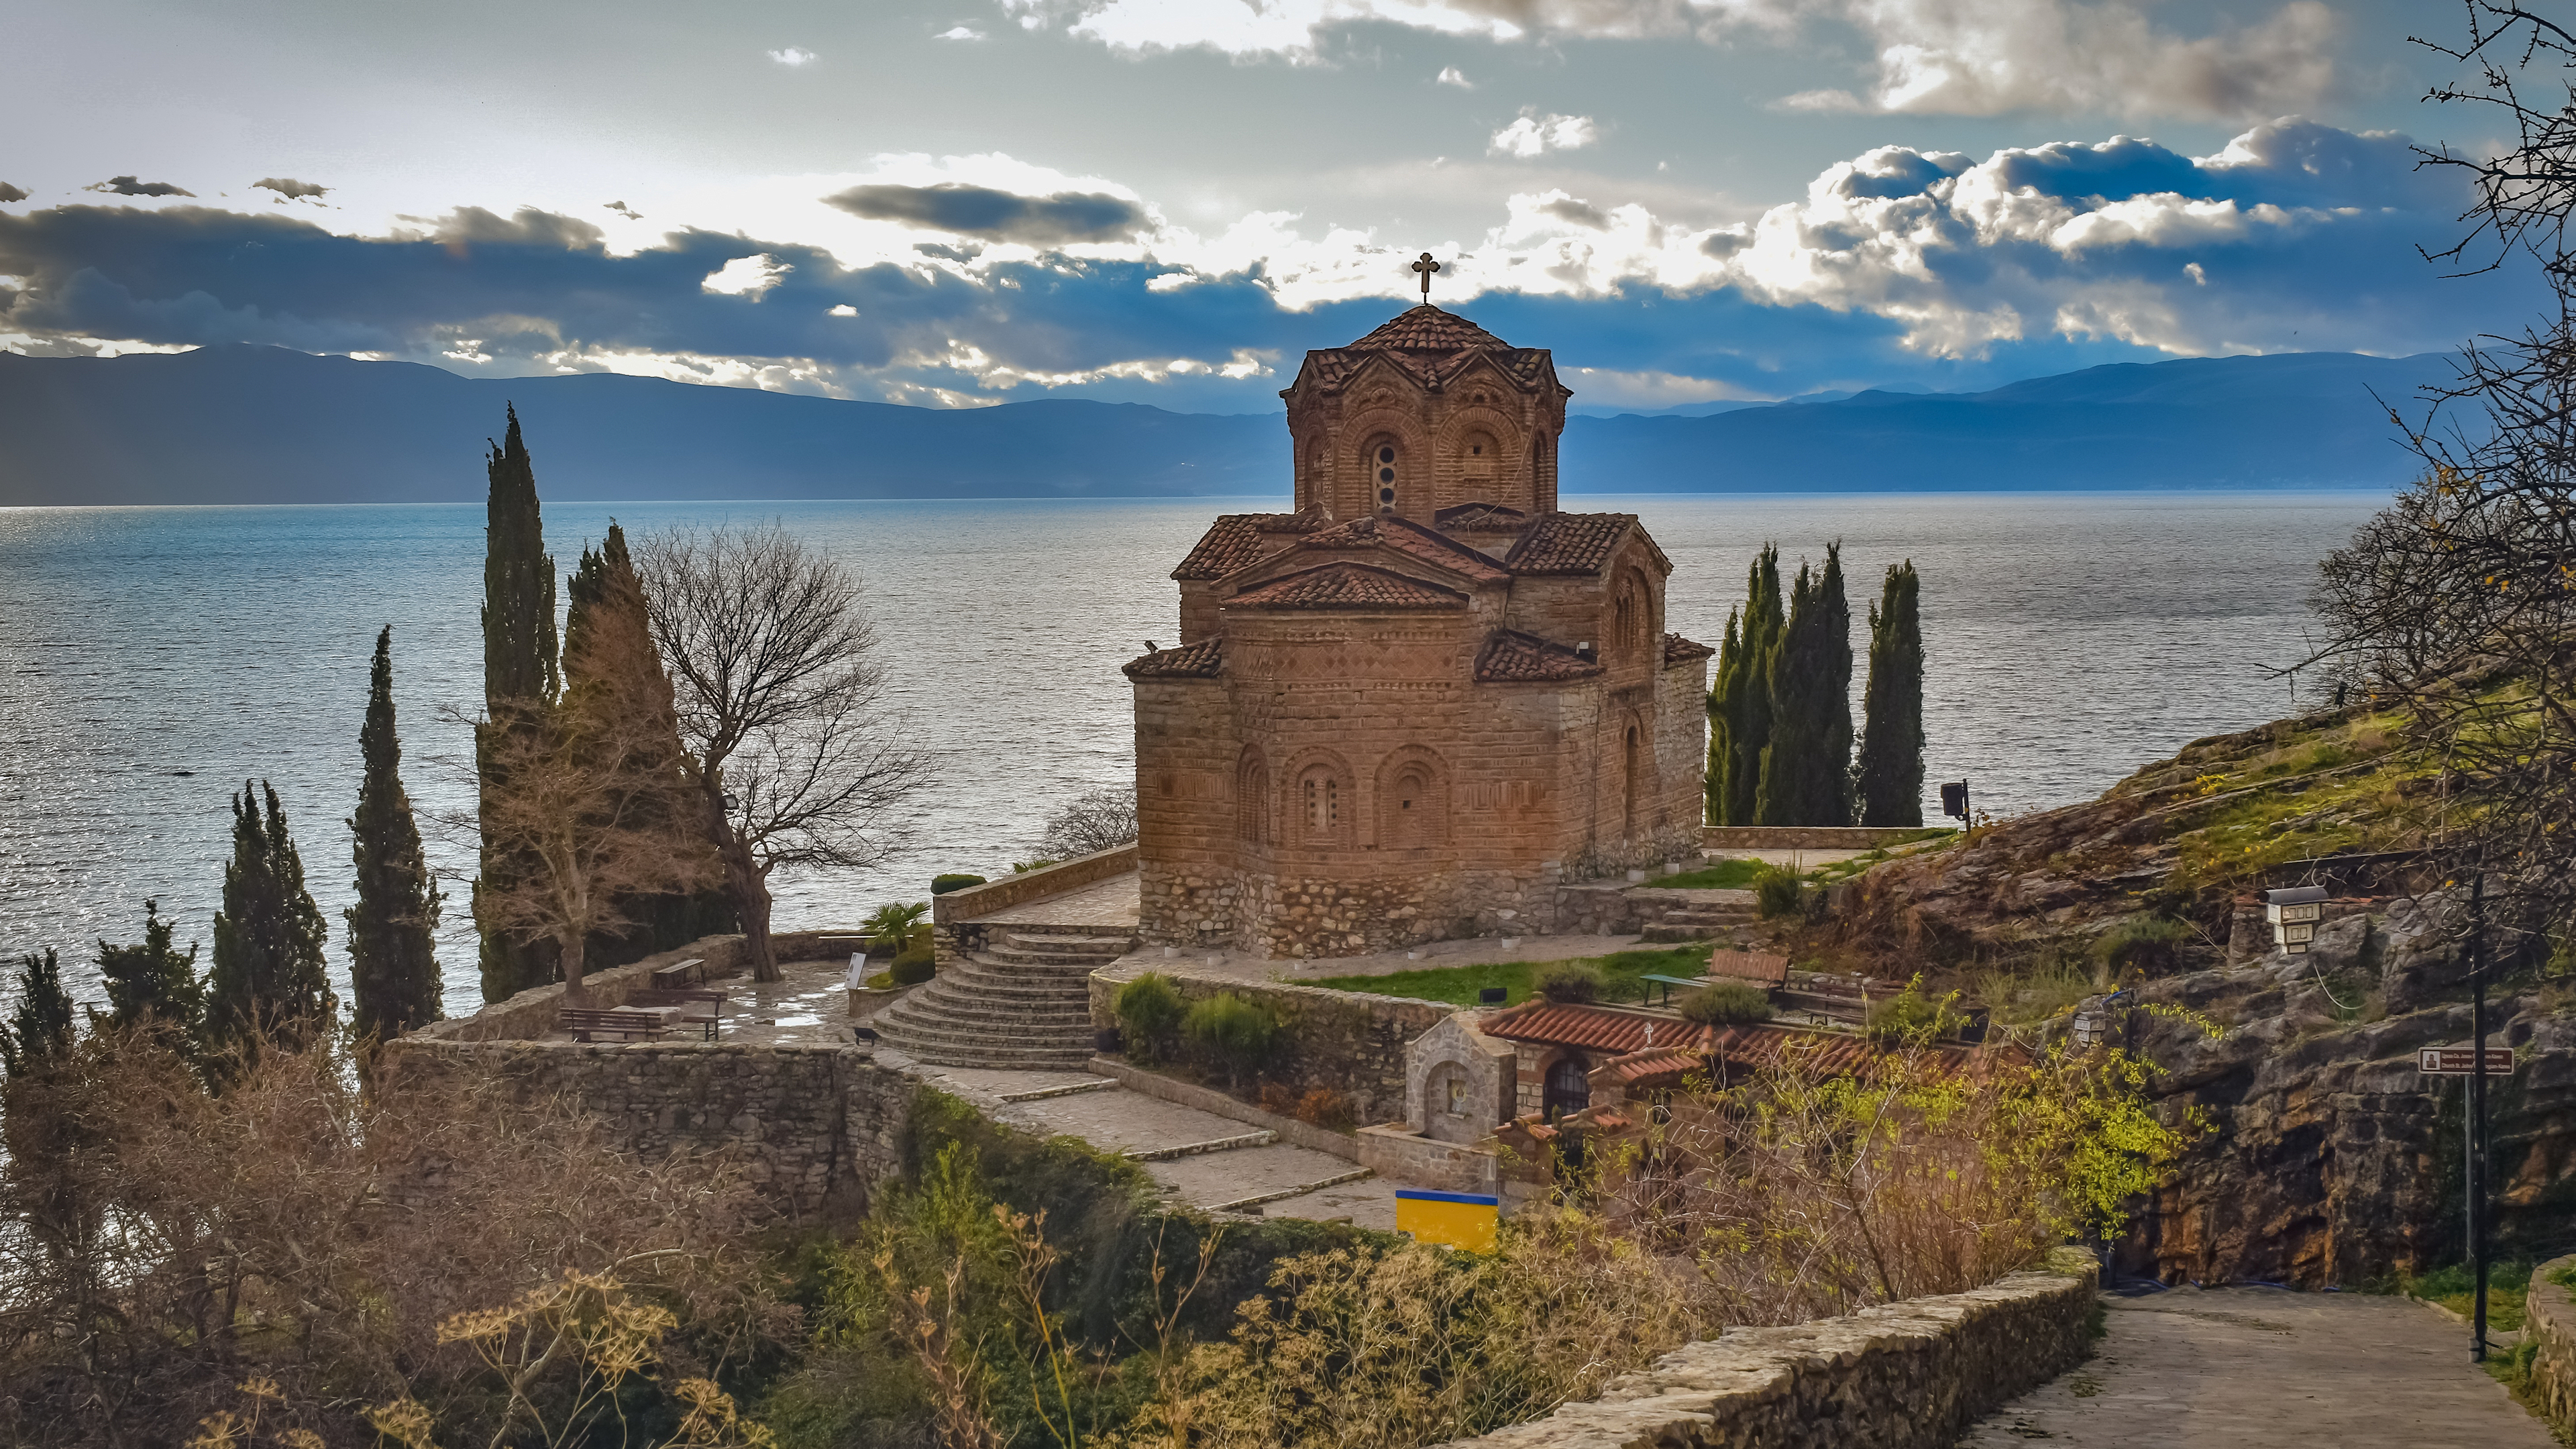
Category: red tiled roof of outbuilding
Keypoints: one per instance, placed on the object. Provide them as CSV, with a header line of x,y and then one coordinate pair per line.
x,y
1203,660
1597,1028
1351,586
1512,657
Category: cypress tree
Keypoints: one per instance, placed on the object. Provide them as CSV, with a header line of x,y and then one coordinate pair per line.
x,y
612,668
519,672
393,966
1890,772
1806,767
41,1026
152,981
267,977
1740,701
1718,752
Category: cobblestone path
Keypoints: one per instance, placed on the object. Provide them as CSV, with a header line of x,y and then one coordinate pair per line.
x,y
2212,1369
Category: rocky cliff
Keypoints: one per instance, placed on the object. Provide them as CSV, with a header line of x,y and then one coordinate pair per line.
x,y
2330,1159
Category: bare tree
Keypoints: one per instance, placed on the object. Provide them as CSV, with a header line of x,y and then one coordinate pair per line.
x,y
585,795
1095,820
793,757
2458,603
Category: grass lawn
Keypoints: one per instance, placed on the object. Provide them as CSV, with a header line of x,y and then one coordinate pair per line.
x,y
2455,1288
1458,985
1723,875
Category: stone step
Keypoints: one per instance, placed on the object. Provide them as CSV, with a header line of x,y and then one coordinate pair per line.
x,y
1281,1194
990,1025
1124,941
974,1042
1069,1089
1016,1059
1097,933
1261,1137
1025,956
980,979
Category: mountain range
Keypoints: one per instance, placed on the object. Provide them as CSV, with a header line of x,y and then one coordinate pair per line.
x,y
244,424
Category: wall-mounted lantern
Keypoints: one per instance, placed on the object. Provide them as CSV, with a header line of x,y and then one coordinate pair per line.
x,y
2294,914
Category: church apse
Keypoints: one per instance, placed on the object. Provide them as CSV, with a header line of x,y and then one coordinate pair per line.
x,y
1413,707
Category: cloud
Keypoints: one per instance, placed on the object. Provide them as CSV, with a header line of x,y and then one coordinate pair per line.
x,y
982,211
1963,57
1534,134
128,186
1896,265
1451,75
290,189
793,57
11,193
622,209
959,32
746,276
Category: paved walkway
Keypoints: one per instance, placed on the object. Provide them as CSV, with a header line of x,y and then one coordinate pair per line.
x,y
2262,1367
1112,902
1205,1160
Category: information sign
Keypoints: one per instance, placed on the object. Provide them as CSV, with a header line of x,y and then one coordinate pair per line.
x,y
2461,1061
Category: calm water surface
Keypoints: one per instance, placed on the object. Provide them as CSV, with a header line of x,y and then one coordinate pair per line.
x,y
153,658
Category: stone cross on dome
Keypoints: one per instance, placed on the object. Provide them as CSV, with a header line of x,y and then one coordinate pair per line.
x,y
1426,267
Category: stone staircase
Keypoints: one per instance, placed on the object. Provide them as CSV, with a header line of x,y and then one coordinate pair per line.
x,y
1710,915
1022,1003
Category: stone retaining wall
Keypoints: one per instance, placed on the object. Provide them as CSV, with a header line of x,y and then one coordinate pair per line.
x,y
1208,1099
1908,1375
531,1013
2549,1325
955,927
816,1126
1349,1041
1722,838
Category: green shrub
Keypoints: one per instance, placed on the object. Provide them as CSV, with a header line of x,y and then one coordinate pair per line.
x,y
1775,891
913,965
941,885
1149,1011
1566,980
1911,1017
1231,1033
2151,944
1725,1003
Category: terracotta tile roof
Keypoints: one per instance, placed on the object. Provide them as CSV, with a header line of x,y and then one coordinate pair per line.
x,y
1203,660
1240,540
1514,657
1430,346
1481,518
1348,586
1651,1064
1758,966
1569,543
1597,1028
1410,538
1678,650
1426,328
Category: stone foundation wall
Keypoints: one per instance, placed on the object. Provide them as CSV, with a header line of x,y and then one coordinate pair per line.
x,y
2549,1325
1348,1041
815,1126
1908,1375
1298,918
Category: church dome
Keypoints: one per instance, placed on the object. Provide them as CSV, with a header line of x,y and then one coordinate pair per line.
x,y
1427,329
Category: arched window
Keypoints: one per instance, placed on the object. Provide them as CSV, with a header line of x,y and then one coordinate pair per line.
x,y
1632,617
1412,802
1478,458
1319,807
1385,460
1252,801
1567,1087
1634,768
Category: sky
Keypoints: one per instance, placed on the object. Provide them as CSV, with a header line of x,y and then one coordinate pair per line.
x,y
1169,201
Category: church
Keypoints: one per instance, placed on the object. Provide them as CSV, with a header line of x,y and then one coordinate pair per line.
x,y
1414,707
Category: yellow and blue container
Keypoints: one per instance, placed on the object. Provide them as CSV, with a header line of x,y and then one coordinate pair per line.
x,y
1464,1220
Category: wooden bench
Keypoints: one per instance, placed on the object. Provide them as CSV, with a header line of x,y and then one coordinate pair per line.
x,y
679,974
581,1024
1759,967
713,1001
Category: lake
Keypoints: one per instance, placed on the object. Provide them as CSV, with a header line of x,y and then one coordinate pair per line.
x,y
154,658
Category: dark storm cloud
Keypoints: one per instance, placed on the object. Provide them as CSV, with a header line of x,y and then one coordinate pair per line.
x,y
1066,216
128,186
622,209
11,193
290,188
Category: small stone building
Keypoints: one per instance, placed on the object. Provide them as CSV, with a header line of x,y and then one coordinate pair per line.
x,y
1411,708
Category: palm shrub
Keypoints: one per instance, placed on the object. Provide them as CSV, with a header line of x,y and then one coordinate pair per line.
x,y
1725,1003
1231,1032
1567,981
1775,891
1149,1012
890,927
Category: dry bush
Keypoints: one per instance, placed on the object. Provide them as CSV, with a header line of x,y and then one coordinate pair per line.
x,y
171,1243
1807,1191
